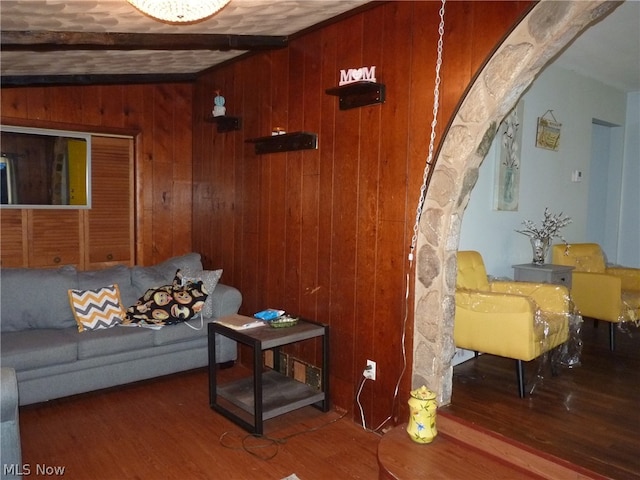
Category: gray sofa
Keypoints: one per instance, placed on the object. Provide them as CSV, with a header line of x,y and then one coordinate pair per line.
x,y
10,451
41,342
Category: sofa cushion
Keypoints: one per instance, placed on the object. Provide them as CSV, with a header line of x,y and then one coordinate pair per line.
x,y
97,308
180,332
29,349
120,274
210,280
97,343
145,278
36,298
190,261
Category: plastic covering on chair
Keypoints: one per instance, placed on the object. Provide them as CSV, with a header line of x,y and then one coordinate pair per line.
x,y
518,320
604,292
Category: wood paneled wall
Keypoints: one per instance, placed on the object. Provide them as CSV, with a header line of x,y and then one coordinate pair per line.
x,y
322,233
326,233
159,116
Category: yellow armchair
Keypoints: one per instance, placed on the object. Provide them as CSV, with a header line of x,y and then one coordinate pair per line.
x,y
518,320
611,294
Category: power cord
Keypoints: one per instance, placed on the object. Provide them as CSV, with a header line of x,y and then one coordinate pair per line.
x,y
272,442
362,420
414,240
404,368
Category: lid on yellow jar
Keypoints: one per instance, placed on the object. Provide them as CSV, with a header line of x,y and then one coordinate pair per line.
x,y
423,393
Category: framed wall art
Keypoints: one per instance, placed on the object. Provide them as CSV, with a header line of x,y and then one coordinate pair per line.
x,y
548,133
507,184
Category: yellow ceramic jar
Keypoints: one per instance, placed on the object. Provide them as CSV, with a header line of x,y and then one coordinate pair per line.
x,y
422,415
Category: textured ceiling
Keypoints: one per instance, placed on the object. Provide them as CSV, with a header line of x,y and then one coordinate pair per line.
x,y
608,51
239,17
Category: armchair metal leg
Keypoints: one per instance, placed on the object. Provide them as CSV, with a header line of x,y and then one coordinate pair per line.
x,y
520,374
612,336
554,359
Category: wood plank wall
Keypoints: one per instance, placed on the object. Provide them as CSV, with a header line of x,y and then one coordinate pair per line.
x,y
160,118
326,233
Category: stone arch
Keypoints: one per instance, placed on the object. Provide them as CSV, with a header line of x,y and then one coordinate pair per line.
x,y
548,27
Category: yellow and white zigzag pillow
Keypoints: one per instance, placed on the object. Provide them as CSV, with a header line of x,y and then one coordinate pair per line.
x,y
96,309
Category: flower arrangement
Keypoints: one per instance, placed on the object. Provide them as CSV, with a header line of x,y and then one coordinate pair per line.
x,y
541,235
551,226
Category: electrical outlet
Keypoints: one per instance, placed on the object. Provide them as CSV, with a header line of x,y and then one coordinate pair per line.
x,y
370,370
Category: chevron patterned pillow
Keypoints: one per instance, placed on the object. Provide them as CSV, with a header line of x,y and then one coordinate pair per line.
x,y
97,309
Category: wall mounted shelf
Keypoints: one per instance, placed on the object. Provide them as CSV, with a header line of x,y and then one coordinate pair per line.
x,y
225,123
285,143
358,94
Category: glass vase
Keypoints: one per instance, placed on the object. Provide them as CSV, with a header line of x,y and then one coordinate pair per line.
x,y
540,246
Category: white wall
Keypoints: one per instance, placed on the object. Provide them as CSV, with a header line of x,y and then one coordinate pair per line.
x,y
545,175
605,185
629,240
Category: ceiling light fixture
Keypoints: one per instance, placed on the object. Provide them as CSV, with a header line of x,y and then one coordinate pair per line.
x,y
179,11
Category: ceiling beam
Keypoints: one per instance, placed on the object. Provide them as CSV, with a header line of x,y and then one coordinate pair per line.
x,y
108,79
50,41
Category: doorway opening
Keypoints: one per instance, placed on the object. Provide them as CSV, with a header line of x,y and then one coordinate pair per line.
x,y
546,30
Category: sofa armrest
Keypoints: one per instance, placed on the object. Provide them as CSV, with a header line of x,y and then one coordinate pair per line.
x,y
597,295
494,302
630,277
10,449
506,324
226,300
548,297
495,323
9,389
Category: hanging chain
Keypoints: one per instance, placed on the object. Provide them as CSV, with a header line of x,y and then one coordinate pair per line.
x,y
423,190
434,123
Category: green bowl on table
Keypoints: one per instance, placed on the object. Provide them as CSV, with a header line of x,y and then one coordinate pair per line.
x,y
283,322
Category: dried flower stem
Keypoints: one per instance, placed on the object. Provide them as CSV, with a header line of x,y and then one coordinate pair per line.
x,y
550,228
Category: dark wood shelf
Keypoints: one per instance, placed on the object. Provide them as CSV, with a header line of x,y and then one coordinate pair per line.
x,y
280,394
225,123
285,143
358,94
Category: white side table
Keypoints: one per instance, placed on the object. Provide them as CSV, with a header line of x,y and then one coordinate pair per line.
x,y
546,273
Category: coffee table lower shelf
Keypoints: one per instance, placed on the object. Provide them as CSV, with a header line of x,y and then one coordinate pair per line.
x,y
280,394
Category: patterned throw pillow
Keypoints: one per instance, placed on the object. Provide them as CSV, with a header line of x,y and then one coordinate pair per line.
x,y
98,308
168,304
210,279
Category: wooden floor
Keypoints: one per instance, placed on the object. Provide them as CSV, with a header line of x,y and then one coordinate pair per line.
x,y
588,415
164,429
462,450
